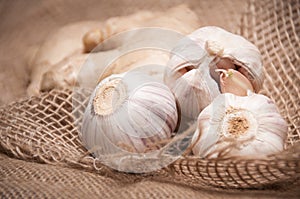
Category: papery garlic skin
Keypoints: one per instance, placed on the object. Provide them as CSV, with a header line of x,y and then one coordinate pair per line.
x,y
210,48
188,76
248,126
191,87
128,112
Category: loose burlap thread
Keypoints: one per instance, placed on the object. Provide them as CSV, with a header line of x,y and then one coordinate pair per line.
x,y
43,129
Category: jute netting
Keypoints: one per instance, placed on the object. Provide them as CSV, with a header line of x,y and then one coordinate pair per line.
x,y
43,129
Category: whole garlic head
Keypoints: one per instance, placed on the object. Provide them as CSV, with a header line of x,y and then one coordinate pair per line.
x,y
131,112
248,126
231,51
208,50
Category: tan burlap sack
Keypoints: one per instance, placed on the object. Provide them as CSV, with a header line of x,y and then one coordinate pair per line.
x,y
42,130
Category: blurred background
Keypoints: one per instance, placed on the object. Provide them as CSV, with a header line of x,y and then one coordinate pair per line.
x,y
25,24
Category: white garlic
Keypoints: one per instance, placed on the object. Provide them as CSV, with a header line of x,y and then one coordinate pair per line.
x,y
130,112
191,87
248,126
207,50
231,50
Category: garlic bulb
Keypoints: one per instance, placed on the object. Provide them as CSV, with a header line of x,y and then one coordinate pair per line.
x,y
130,112
208,50
239,126
232,51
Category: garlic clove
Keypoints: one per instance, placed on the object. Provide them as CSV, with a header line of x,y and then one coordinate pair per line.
x,y
233,125
232,81
204,139
188,76
91,39
186,54
129,112
194,91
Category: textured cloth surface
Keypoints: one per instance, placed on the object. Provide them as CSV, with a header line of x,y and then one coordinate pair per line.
x,y
20,179
40,131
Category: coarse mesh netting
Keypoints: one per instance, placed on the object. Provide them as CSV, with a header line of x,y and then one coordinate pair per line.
x,y
42,129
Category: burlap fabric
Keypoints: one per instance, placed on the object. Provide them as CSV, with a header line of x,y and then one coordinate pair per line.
x,y
41,130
